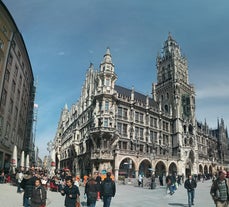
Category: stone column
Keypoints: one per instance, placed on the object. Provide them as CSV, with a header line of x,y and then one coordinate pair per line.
x,y
136,173
116,174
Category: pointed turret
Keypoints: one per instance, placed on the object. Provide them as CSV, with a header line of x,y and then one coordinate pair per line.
x,y
171,48
107,57
107,76
66,107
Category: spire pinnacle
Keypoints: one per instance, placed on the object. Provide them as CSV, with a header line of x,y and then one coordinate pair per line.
x,y
107,56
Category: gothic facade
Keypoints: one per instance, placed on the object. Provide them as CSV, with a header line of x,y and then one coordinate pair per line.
x,y
113,128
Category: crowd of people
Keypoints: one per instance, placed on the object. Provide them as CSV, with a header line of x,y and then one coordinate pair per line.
x,y
34,184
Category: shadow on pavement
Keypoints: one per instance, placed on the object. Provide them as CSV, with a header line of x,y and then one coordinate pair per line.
x,y
178,204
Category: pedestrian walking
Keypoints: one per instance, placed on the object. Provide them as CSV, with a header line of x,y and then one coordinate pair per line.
x,y
39,194
170,183
108,190
91,190
71,193
98,179
140,180
219,190
190,185
161,179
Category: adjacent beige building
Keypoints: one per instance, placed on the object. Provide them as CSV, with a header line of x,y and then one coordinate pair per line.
x,y
113,128
17,93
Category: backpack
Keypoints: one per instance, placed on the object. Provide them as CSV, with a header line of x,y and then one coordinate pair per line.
x,y
108,188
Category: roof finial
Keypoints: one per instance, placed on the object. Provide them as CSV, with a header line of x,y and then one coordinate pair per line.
x,y
170,36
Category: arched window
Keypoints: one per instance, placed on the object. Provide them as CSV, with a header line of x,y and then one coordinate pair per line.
x,y
191,142
190,129
185,129
166,108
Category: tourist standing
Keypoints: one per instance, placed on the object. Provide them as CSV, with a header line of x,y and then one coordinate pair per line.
x,y
71,193
190,185
39,194
219,190
27,184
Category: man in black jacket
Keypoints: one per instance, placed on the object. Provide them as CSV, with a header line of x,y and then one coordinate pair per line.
x,y
190,185
108,190
27,184
71,193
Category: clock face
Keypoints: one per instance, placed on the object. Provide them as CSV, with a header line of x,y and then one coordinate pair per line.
x,y
186,105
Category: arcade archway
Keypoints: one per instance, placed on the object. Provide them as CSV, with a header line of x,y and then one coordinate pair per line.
x,y
160,169
200,169
145,168
172,168
127,168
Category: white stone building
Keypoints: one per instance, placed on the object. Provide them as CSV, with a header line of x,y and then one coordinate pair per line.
x,y
112,128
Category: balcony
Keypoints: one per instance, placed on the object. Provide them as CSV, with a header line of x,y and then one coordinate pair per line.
x,y
102,154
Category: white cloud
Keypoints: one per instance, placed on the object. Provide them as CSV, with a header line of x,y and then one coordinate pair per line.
x,y
215,90
91,51
61,53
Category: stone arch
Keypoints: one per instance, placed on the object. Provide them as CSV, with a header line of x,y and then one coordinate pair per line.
x,y
173,168
201,169
160,168
145,168
210,170
127,167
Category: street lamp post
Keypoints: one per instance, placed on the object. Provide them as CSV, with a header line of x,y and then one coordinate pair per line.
x,y
51,159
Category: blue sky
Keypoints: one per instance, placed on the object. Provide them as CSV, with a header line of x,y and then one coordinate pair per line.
x,y
63,37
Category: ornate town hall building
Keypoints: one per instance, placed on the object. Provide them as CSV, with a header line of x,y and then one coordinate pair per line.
x,y
113,128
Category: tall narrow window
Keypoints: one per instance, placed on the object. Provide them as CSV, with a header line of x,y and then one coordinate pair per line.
x,y
124,129
125,113
106,105
105,122
119,112
119,125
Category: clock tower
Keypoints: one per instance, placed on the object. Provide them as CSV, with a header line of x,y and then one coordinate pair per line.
x,y
176,97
